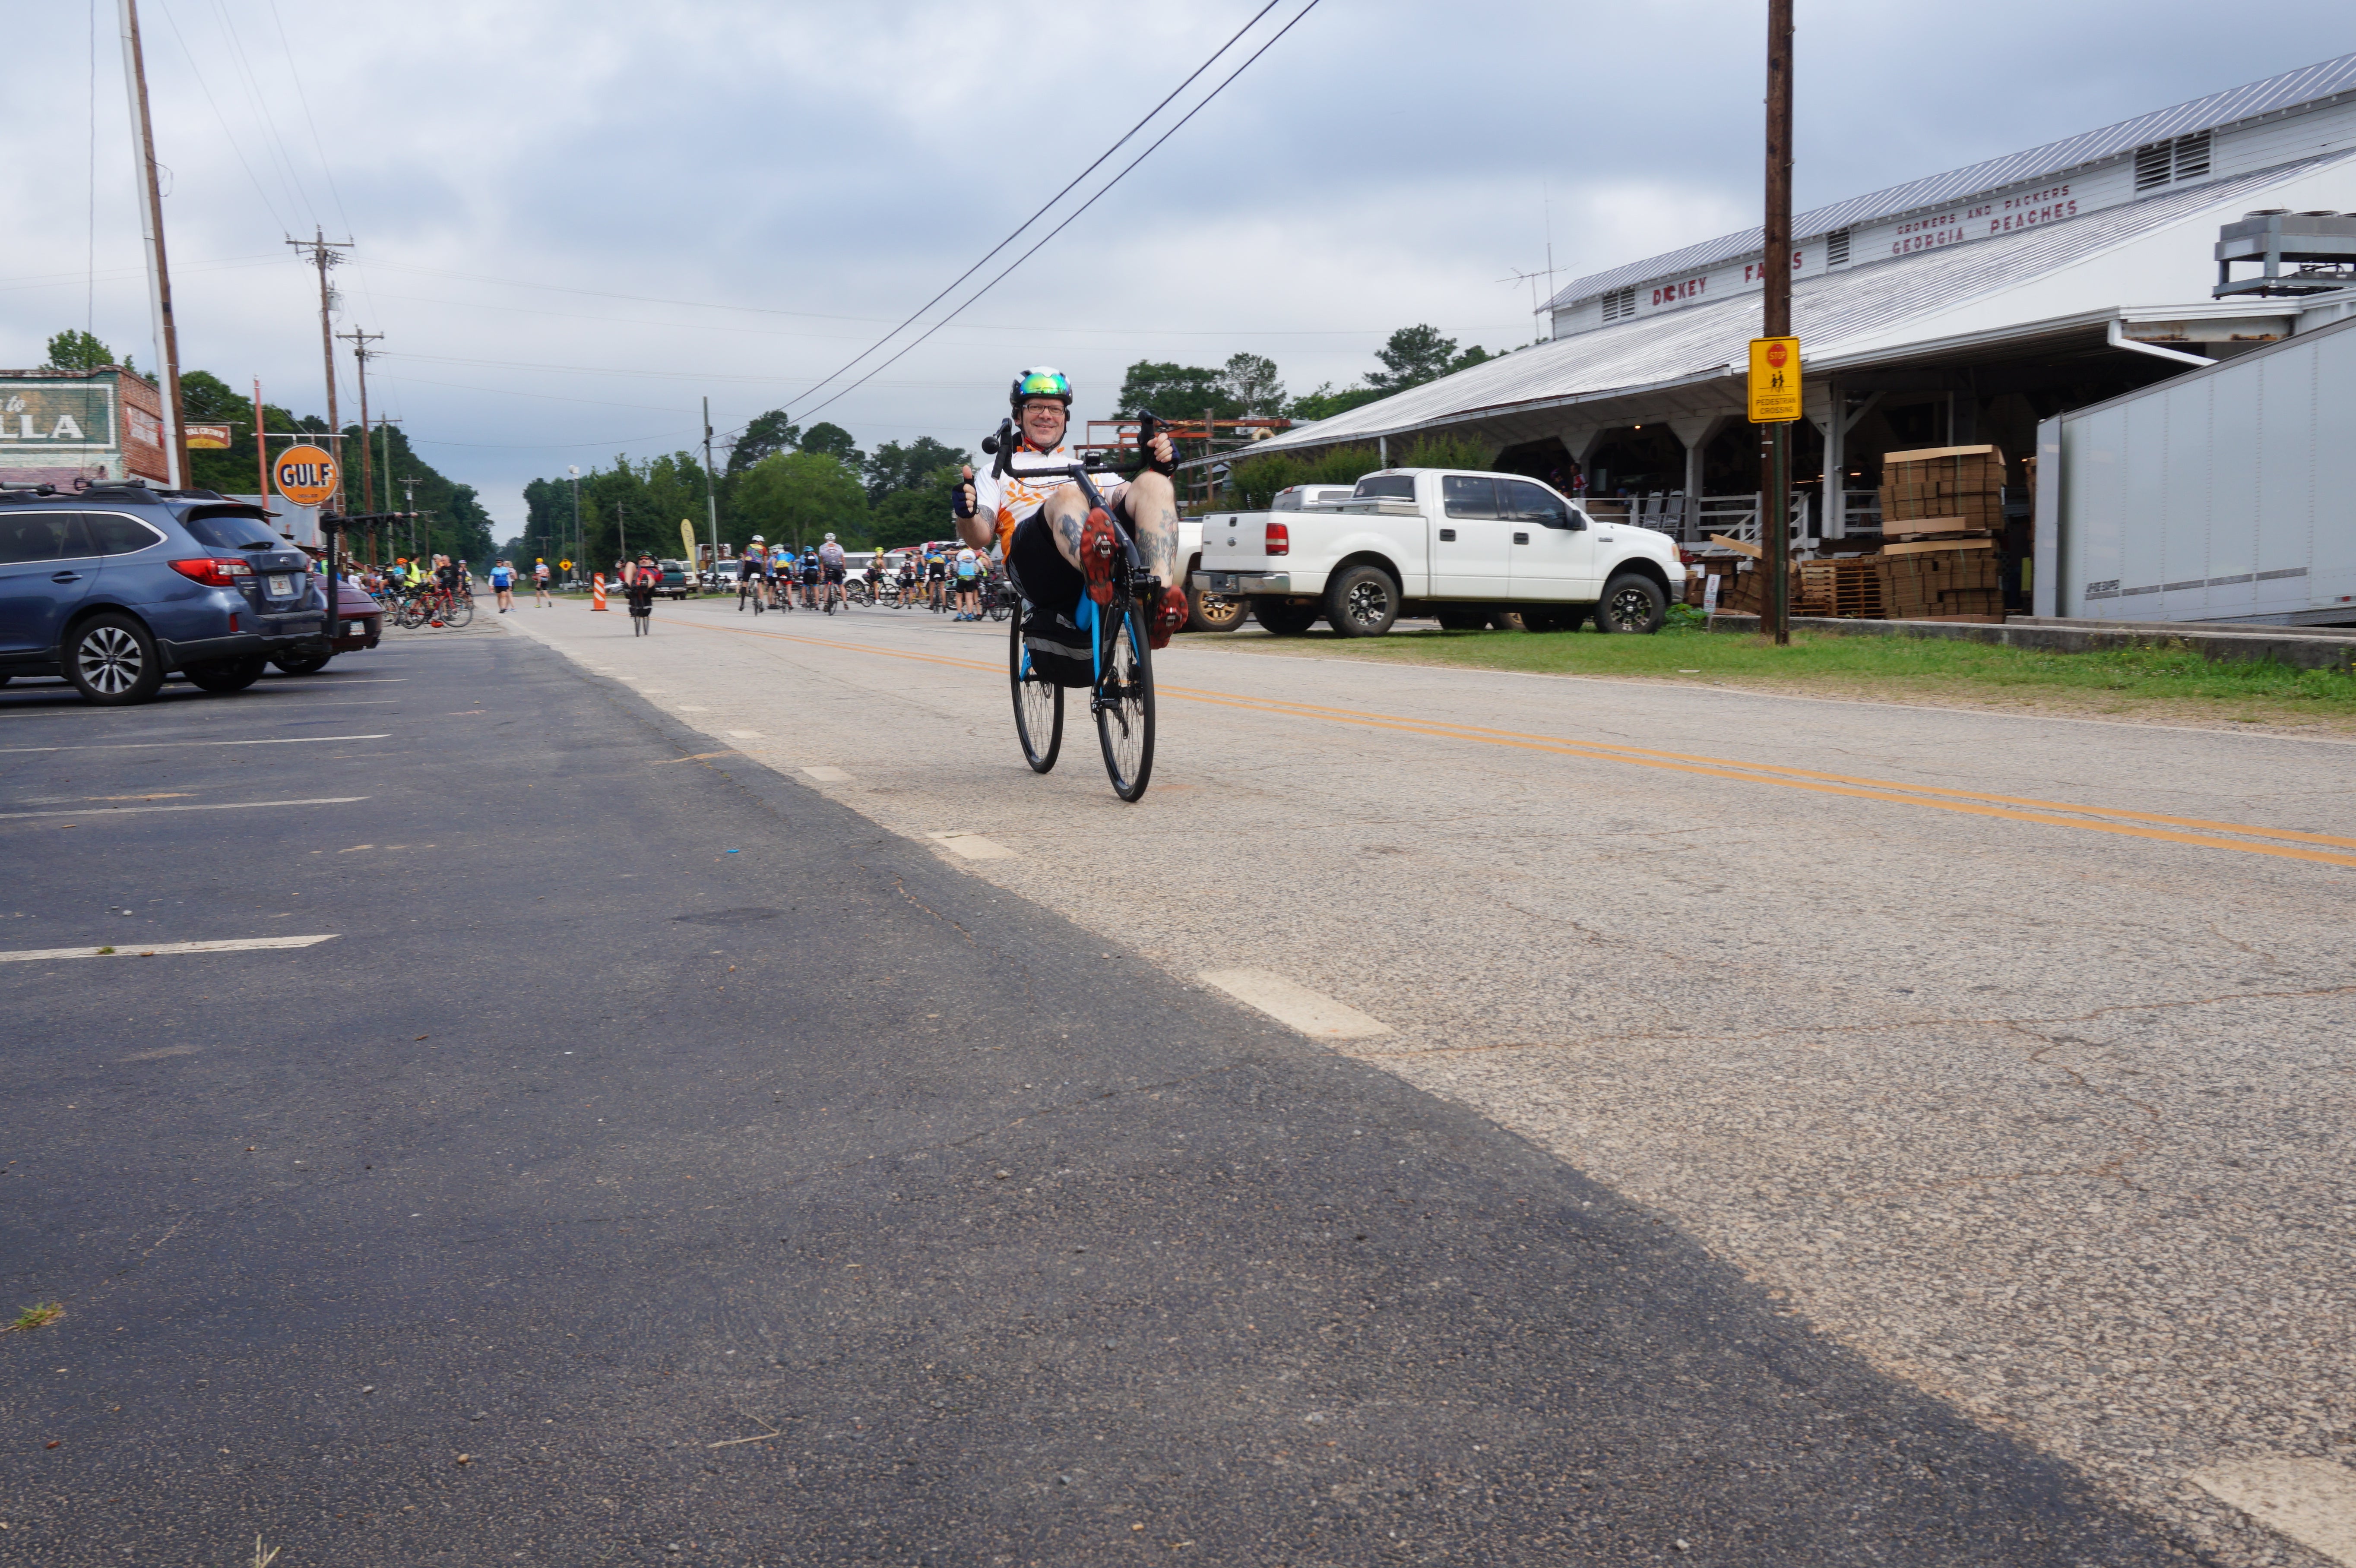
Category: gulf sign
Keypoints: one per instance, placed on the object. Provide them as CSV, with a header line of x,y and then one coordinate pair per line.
x,y
306,476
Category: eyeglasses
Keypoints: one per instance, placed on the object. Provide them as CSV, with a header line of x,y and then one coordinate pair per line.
x,y
1044,405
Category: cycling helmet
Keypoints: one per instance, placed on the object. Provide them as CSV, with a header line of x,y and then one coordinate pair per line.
x,y
1040,381
829,539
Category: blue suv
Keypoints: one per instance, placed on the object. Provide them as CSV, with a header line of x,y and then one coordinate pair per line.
x,y
119,585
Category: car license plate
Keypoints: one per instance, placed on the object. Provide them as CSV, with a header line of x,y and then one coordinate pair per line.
x,y
1222,581
281,585
356,628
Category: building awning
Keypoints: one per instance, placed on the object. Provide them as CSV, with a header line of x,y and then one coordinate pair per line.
x,y
2018,292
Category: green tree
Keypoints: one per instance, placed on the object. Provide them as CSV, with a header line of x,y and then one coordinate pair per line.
x,y
897,467
1418,354
1173,391
1251,380
917,512
74,349
766,435
797,498
833,440
1325,402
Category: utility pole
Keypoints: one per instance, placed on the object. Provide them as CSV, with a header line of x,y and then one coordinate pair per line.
x,y
575,553
159,276
384,429
622,530
409,489
261,451
359,341
322,256
1776,317
711,484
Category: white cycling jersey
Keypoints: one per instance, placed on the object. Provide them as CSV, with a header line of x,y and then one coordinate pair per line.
x,y
1007,502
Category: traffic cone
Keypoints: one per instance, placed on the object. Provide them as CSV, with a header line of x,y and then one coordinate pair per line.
x,y
597,590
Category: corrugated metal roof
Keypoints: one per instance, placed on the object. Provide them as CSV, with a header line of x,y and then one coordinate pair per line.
x,y
1827,311
2305,85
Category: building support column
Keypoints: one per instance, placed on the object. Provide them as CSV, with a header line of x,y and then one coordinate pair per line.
x,y
1833,419
1580,442
1696,432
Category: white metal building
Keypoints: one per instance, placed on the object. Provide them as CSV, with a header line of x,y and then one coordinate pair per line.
x,y
1964,306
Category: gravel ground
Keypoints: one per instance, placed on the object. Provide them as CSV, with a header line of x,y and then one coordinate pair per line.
x,y
2046,1117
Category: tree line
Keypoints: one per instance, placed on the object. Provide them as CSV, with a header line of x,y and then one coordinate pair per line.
x,y
794,486
454,521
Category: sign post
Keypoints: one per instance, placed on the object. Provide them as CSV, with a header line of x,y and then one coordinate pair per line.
x,y
1776,351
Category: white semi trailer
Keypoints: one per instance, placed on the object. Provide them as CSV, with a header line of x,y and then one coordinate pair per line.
x,y
2225,493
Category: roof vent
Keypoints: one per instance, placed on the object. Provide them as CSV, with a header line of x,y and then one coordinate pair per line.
x,y
1620,304
2153,163
2192,156
1836,247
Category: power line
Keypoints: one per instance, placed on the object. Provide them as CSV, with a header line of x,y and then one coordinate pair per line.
x,y
1067,190
1069,221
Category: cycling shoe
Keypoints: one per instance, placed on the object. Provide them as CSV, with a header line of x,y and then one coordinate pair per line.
x,y
1099,554
1169,618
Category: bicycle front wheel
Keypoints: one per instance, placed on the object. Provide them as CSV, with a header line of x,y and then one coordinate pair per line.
x,y
459,612
1123,701
1038,707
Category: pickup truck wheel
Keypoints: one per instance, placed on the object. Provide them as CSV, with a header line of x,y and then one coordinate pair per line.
x,y
1509,621
1213,611
1361,602
1632,603
1282,619
1461,621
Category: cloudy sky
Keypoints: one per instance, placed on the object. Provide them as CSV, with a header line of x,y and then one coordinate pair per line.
x,y
571,220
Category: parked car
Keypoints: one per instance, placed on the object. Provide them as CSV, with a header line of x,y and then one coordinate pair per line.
x,y
1468,547
120,585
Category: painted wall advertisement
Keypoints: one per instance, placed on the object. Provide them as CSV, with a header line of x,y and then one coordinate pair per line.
x,y
57,416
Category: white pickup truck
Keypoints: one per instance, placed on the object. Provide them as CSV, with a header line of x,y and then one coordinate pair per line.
x,y
1465,547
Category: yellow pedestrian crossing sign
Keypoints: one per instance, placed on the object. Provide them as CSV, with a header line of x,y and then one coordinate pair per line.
x,y
1774,380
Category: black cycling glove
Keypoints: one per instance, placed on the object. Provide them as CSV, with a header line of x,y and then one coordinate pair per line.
x,y
959,504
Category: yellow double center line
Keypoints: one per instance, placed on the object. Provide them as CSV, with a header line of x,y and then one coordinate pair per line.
x,y
2281,842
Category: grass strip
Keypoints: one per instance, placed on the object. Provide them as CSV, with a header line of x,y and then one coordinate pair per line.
x,y
2174,684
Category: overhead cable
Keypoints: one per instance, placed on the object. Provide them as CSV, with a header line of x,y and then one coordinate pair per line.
x,y
1045,207
1067,222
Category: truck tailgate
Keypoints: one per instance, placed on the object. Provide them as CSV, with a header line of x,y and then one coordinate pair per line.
x,y
1239,541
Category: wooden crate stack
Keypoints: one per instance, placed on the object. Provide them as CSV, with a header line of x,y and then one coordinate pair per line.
x,y
1942,513
1943,585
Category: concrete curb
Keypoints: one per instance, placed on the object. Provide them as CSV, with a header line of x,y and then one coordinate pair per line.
x,y
2333,650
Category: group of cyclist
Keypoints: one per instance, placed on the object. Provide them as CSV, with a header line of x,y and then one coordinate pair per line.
x,y
770,576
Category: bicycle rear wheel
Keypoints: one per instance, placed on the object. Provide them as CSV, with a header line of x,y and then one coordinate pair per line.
x,y
1123,701
1038,705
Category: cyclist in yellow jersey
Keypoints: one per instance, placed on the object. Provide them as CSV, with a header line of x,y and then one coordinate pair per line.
x,y
1038,524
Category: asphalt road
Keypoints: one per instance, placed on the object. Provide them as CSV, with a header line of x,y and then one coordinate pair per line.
x,y
664,1162
2014,1053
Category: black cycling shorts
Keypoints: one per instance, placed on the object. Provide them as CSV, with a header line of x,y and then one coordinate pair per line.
x,y
833,573
1039,569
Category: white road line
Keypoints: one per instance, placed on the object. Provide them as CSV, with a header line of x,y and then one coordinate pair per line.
x,y
2313,1501
1316,1015
972,846
142,810
164,949
828,775
164,745
743,735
